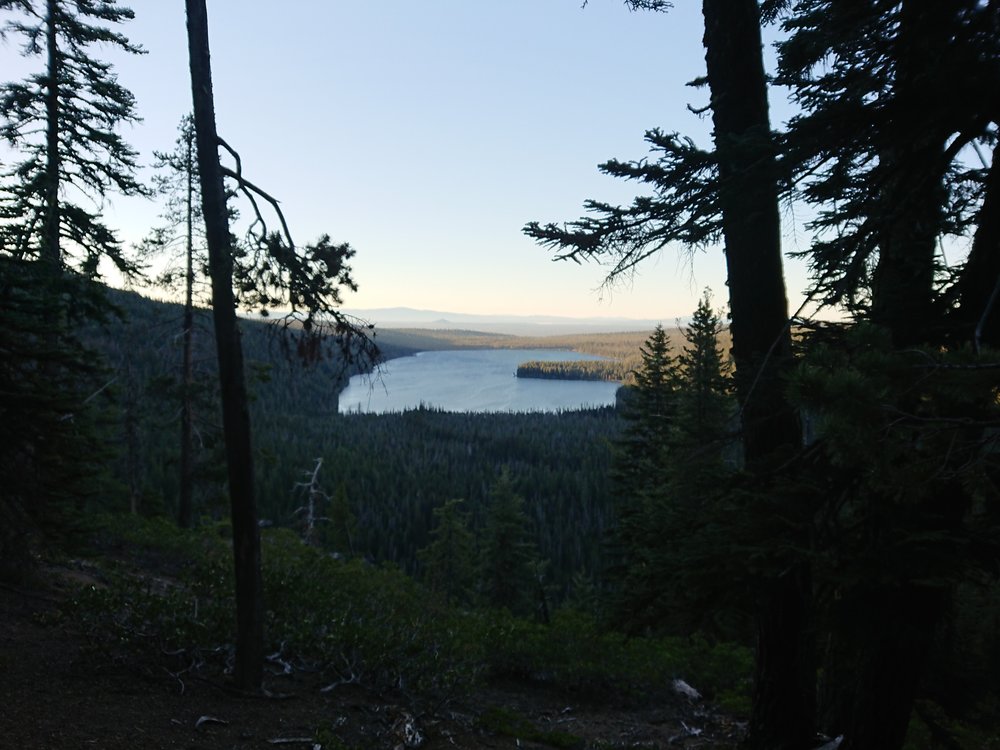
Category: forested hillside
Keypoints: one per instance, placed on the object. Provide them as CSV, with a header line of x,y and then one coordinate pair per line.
x,y
812,487
393,469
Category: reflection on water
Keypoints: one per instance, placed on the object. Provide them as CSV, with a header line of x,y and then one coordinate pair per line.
x,y
473,380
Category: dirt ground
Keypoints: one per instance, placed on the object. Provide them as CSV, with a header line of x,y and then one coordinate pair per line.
x,y
54,695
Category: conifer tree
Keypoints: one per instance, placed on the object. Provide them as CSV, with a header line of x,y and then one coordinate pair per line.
x,y
640,465
49,385
892,97
665,477
703,404
177,181
449,560
649,410
64,122
273,272
60,125
699,197
506,550
340,531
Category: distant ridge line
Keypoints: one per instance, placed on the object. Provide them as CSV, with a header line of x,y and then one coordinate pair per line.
x,y
407,317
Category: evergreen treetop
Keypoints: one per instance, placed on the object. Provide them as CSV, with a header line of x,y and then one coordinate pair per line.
x,y
64,122
449,560
507,551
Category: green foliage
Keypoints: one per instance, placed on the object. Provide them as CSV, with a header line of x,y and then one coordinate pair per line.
x,y
909,466
355,622
52,391
506,550
583,369
187,617
703,404
340,530
395,468
449,562
142,349
350,621
648,410
931,726
79,120
577,652
669,478
358,623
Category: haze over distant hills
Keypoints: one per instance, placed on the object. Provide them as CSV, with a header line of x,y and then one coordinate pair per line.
x,y
518,325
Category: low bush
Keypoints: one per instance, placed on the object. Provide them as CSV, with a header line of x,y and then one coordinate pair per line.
x,y
355,622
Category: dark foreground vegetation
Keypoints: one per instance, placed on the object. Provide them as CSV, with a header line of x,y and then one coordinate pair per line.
x,y
807,529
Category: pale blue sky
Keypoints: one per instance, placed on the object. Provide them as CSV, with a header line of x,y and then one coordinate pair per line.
x,y
428,133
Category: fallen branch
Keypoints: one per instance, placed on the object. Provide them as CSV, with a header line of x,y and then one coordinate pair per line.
x,y
203,720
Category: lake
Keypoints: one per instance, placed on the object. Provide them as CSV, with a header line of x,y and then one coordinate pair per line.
x,y
473,380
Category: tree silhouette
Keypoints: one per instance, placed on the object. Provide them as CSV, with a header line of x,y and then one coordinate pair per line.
x,y
506,550
699,197
177,181
449,560
271,272
63,121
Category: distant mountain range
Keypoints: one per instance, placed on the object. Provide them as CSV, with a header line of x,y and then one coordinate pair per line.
x,y
518,325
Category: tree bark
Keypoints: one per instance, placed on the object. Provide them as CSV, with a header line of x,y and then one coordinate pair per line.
x,y
783,715
911,174
51,252
186,501
901,616
899,635
979,284
751,226
235,413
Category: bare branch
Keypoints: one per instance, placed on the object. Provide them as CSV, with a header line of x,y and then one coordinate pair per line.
x,y
247,188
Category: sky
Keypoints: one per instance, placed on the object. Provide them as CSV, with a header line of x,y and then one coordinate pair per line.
x,y
427,134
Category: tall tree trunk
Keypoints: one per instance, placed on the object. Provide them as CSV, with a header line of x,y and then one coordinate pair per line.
x,y
751,225
899,633
979,284
50,251
235,414
185,504
911,175
783,716
901,615
132,459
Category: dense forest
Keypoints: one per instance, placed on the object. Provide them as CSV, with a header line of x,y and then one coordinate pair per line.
x,y
802,512
578,370
394,468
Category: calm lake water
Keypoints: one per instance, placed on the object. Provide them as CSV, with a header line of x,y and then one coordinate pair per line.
x,y
473,380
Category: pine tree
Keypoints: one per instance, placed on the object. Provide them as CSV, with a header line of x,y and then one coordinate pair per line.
x,y
63,121
273,272
891,97
449,560
340,531
667,472
699,197
182,233
506,550
640,467
703,404
649,410
60,126
49,391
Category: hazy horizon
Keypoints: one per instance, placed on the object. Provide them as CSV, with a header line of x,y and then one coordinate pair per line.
x,y
427,135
